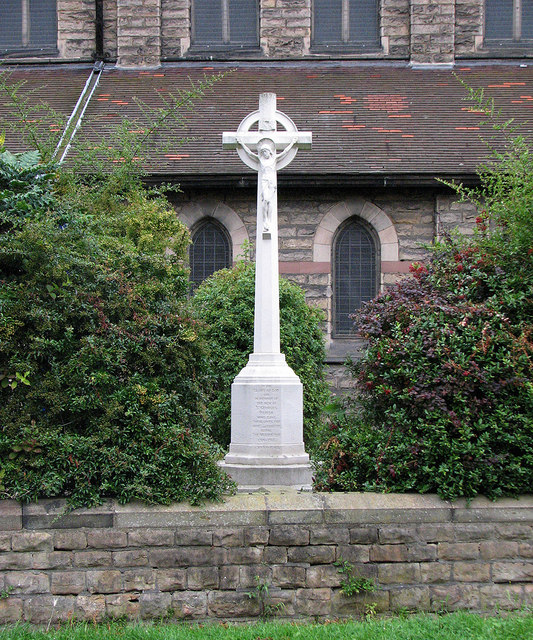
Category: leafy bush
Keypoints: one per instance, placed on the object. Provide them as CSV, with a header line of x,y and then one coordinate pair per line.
x,y
445,389
100,360
225,303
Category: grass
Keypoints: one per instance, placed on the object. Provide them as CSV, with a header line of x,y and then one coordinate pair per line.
x,y
454,626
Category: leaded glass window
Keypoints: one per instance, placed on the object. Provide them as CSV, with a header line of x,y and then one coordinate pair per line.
x,y
508,21
209,251
27,26
219,23
355,265
345,23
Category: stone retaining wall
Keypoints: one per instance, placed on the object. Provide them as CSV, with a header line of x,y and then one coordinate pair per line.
x,y
194,563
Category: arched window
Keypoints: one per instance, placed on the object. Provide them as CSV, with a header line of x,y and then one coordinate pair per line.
x,y
355,273
209,251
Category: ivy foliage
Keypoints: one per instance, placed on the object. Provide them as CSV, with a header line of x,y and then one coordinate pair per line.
x,y
225,304
445,389
102,369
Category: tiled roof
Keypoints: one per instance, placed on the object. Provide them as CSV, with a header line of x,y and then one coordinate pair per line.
x,y
367,119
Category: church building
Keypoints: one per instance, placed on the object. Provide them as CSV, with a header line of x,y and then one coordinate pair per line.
x,y
381,84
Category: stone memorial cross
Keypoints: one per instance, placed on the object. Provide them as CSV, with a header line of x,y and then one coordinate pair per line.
x,y
266,396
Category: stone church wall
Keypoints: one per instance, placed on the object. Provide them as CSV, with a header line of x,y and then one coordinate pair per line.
x,y
201,563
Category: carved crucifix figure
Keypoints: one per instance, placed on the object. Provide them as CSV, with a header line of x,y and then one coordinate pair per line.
x,y
266,396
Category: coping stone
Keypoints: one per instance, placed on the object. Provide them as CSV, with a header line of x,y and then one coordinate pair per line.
x,y
10,515
54,514
294,507
239,510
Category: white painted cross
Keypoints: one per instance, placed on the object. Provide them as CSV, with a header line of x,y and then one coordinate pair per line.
x,y
266,396
266,150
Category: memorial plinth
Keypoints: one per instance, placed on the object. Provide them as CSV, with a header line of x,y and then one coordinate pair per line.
x,y
267,445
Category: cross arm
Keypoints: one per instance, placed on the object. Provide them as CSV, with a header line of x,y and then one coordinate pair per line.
x,y
281,139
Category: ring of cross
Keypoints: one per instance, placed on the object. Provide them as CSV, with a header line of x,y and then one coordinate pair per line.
x,y
250,157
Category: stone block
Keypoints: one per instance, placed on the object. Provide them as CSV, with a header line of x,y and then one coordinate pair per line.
x,y
228,538
514,531
27,582
232,604
512,572
436,532
288,576
354,553
458,551
471,571
31,541
67,540
139,580
130,558
497,549
323,576
10,515
411,598
525,549
245,555
398,535
312,554
500,596
10,610
93,559
5,542
200,578
399,573
187,557
252,575
256,536
90,607
194,537
67,582
289,536
53,560
473,532
313,602
360,603
275,555
189,605
46,609
171,579
229,577
106,539
450,597
434,572
154,605
330,535
363,535
15,561
119,605
150,538
107,581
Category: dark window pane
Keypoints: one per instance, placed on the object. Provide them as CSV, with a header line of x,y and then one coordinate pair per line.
x,y
10,23
209,252
355,274
527,19
327,21
243,21
43,24
363,21
207,16
499,19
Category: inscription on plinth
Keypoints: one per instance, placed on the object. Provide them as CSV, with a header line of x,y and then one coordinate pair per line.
x,y
266,414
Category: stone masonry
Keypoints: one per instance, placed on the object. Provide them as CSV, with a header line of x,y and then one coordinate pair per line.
x,y
198,563
142,33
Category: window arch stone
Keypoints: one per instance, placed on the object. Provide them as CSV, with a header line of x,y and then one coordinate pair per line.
x,y
194,212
